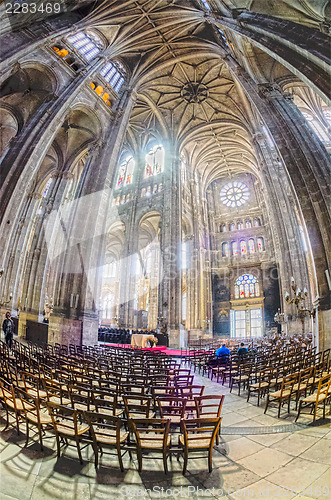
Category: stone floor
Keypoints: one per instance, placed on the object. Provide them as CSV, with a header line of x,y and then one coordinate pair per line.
x,y
259,456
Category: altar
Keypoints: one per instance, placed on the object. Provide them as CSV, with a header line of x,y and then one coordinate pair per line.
x,y
140,339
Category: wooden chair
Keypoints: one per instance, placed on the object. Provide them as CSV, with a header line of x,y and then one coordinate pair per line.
x,y
11,402
107,403
138,406
284,393
319,397
106,431
198,435
210,406
67,424
151,435
173,408
302,384
241,378
260,387
35,415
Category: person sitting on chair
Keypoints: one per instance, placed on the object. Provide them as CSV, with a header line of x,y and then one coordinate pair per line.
x,y
242,350
223,351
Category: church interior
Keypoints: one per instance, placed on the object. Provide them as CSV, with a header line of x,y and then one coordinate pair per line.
x,y
165,249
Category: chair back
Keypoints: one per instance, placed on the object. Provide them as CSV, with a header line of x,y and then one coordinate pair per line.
x,y
200,433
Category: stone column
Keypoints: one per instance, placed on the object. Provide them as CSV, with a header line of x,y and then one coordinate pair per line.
x,y
170,290
75,316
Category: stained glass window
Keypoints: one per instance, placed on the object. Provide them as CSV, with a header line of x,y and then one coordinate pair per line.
x,y
222,35
251,245
225,249
243,247
248,224
125,172
47,186
234,247
260,244
236,292
248,286
114,74
87,44
234,194
154,161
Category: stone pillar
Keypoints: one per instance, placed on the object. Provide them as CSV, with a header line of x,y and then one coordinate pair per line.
x,y
78,292
170,290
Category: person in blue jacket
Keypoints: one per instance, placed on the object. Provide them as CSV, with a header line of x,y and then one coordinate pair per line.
x,y
223,351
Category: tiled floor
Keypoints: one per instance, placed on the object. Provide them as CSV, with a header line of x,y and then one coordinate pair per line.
x,y
259,456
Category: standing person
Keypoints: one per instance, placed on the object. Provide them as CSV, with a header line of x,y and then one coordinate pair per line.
x,y
8,328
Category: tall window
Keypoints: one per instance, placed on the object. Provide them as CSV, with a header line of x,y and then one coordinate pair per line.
x,y
154,161
125,172
184,255
246,285
240,225
223,228
114,74
232,226
257,222
317,127
234,247
248,224
47,186
225,249
243,247
260,244
86,44
251,245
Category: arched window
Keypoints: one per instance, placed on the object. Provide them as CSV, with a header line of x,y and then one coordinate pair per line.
x,y
257,222
240,225
155,188
125,172
148,191
251,245
243,247
248,286
143,192
260,244
232,226
234,248
317,127
87,44
225,249
47,186
248,224
114,74
236,292
154,161
160,187
223,228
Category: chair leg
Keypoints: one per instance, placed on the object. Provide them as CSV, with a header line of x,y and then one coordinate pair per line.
x,y
120,458
140,459
266,404
299,411
279,407
210,459
40,432
27,434
165,465
185,461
